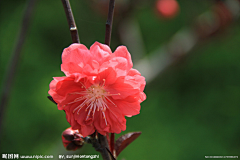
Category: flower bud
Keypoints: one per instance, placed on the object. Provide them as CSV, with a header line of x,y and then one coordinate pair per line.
x,y
72,139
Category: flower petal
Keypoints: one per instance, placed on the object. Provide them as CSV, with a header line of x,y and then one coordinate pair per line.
x,y
133,72
122,51
115,119
61,87
109,75
87,130
100,123
128,108
123,88
100,52
74,58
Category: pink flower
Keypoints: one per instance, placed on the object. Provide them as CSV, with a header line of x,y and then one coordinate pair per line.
x,y
99,90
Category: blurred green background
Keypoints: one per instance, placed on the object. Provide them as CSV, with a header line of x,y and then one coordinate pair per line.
x,y
192,109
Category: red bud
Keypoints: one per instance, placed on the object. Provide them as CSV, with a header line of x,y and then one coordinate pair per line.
x,y
72,139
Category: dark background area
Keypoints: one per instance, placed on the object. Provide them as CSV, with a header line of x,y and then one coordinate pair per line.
x,y
192,109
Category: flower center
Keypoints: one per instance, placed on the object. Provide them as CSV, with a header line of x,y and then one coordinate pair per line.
x,y
96,91
95,98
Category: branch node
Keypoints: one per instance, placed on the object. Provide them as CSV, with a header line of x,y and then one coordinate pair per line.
x,y
71,21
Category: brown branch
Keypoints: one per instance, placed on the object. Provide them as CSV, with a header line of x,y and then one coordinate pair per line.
x,y
113,158
109,22
104,143
71,21
11,70
112,145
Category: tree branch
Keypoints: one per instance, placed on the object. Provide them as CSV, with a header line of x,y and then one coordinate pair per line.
x,y
11,70
109,22
71,21
112,145
104,143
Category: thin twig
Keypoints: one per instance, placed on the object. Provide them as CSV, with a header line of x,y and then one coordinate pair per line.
x,y
104,143
109,22
71,21
112,145
113,158
11,70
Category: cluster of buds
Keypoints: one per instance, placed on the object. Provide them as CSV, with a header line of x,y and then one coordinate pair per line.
x,y
72,139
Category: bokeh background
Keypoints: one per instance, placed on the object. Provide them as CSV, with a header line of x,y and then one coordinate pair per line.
x,y
192,107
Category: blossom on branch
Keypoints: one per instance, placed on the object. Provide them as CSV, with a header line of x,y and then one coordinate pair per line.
x,y
100,88
71,139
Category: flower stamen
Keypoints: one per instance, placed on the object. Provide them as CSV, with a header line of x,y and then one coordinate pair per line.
x,y
111,101
117,94
95,98
83,86
103,82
